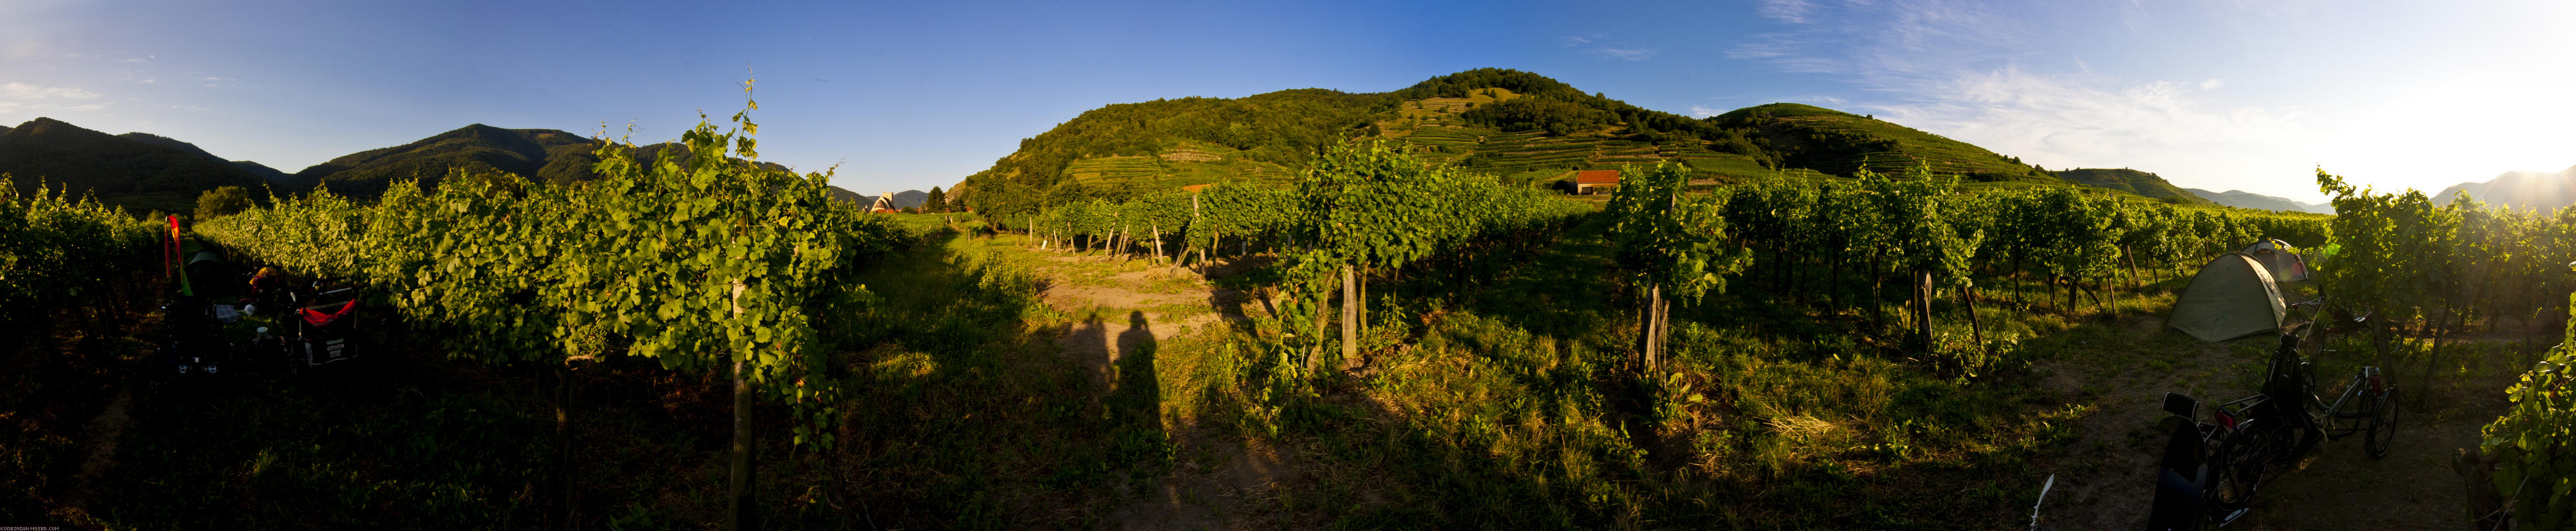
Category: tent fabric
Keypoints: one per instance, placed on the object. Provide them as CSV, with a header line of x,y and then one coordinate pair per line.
x,y
2232,297
2276,256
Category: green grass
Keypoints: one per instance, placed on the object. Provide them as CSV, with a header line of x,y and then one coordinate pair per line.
x,y
1509,411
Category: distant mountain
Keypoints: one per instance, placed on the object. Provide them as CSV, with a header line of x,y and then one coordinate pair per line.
x,y
2244,199
845,194
903,199
910,198
262,170
2131,181
549,155
538,154
2520,189
122,171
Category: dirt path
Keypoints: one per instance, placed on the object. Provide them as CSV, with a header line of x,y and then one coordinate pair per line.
x,y
1128,313
2098,475
1101,305
103,433
2103,478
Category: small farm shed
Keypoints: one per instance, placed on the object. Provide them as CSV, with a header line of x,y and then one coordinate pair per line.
x,y
1588,182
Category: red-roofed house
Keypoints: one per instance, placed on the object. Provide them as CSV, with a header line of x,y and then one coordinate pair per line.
x,y
1594,181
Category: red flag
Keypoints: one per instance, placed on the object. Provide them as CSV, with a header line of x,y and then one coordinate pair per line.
x,y
170,250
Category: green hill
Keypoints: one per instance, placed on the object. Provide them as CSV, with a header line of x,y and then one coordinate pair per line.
x,y
2132,181
262,170
121,171
1838,143
1522,127
545,154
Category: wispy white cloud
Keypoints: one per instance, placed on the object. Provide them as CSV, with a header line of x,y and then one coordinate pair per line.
x,y
2068,121
1605,48
24,91
1704,111
1624,54
1949,67
143,59
1790,11
17,96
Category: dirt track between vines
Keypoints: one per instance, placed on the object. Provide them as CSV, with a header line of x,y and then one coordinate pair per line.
x,y
2104,477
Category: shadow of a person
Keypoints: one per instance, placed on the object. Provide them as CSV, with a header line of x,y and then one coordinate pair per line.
x,y
1137,404
1088,341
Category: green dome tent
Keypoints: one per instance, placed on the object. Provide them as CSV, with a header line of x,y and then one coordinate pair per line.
x,y
2281,259
2232,297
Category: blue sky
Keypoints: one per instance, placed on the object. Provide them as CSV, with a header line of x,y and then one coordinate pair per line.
x,y
2221,95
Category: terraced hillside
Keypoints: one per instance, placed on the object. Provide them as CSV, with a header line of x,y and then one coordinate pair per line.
x,y
2132,181
1185,163
1434,129
1521,127
1839,143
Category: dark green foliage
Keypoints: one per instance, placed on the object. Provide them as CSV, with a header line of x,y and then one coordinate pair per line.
x,y
222,201
121,171
1557,117
937,202
1458,85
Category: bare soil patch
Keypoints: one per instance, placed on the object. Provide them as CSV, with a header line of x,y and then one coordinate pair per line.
x,y
2104,478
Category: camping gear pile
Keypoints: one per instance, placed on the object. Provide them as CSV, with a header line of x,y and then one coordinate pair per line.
x,y
223,320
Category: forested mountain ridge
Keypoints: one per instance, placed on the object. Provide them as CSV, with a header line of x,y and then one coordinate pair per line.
x,y
1523,127
121,171
545,154
262,170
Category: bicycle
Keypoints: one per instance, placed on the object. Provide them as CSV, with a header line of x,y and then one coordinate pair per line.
x,y
2211,470
2367,404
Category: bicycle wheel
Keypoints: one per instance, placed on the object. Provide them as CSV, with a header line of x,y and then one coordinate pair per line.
x,y
2383,425
2240,468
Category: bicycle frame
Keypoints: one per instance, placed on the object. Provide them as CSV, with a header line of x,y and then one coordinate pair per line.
x,y
2339,421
